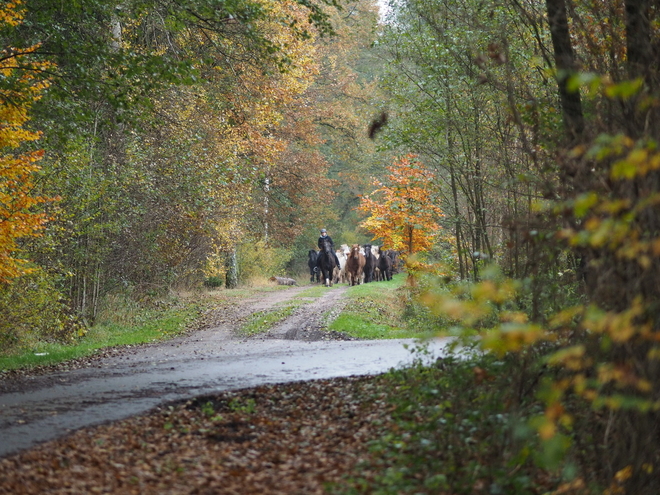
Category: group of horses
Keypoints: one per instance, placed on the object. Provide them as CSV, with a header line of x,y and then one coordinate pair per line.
x,y
357,264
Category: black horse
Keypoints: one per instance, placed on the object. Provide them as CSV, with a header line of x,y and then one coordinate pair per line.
x,y
370,264
313,268
385,265
326,263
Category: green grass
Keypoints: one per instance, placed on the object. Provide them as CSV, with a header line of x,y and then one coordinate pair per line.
x,y
153,326
316,291
263,320
375,312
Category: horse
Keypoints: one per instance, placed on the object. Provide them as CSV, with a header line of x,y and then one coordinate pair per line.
x,y
339,270
312,257
396,261
369,264
342,254
354,265
326,263
385,265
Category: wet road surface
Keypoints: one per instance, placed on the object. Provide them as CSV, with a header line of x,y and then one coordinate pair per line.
x,y
42,408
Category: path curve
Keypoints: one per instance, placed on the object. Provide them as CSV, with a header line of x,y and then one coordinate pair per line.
x,y
38,408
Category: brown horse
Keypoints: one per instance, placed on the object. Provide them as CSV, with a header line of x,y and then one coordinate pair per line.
x,y
354,265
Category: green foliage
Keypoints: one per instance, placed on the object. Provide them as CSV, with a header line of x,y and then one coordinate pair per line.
x,y
214,282
33,311
455,430
594,324
257,260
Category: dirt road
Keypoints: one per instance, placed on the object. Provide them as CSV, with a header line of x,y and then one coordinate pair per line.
x,y
37,408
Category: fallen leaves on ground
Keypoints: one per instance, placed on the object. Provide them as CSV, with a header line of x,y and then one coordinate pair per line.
x,y
277,439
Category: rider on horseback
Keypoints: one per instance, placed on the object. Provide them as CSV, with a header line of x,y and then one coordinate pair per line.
x,y
325,237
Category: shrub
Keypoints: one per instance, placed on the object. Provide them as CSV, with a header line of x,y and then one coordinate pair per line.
x,y
32,310
257,260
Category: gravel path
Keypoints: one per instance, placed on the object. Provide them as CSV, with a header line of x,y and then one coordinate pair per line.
x,y
132,380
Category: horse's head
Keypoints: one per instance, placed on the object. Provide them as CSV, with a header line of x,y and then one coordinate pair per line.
x,y
327,247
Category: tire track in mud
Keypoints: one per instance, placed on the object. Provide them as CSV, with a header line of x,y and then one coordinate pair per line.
x,y
309,322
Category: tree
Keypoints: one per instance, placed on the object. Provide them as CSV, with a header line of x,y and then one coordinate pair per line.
x,y
22,84
402,211
587,189
462,99
162,121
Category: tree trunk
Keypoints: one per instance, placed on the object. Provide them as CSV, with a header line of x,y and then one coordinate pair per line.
x,y
565,64
232,270
640,64
457,221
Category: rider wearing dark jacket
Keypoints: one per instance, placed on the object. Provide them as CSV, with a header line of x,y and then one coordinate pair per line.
x,y
325,237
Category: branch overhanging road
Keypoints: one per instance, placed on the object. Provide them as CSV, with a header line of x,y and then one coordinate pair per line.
x,y
43,407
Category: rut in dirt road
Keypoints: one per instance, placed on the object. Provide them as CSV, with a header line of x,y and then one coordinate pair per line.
x,y
311,320
43,407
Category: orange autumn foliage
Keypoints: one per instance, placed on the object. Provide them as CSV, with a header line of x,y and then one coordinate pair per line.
x,y
23,86
402,211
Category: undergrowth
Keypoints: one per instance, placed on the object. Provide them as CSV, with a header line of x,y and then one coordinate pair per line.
x,y
460,428
121,321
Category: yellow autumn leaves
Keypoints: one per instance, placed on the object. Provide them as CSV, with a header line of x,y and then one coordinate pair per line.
x,y
17,220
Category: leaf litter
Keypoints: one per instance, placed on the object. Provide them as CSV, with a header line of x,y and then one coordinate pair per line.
x,y
296,438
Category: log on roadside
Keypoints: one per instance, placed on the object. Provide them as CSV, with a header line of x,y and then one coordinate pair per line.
x,y
283,281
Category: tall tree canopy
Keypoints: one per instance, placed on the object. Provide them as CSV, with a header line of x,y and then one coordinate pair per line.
x,y
173,132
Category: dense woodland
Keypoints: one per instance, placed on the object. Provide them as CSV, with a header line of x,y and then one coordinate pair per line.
x,y
155,144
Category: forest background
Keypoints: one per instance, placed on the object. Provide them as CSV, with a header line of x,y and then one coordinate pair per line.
x,y
152,144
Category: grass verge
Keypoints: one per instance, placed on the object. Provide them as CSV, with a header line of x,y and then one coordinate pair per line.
x,y
263,320
146,326
375,311
123,321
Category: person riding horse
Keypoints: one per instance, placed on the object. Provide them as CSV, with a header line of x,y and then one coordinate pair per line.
x,y
325,237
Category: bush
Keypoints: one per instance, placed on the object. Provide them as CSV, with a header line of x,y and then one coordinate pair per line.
x,y
458,428
256,260
214,282
32,310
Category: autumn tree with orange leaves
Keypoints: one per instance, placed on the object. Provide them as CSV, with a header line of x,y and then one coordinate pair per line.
x,y
401,211
22,85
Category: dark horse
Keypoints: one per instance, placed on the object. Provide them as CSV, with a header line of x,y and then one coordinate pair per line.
x,y
311,263
370,264
326,263
385,264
